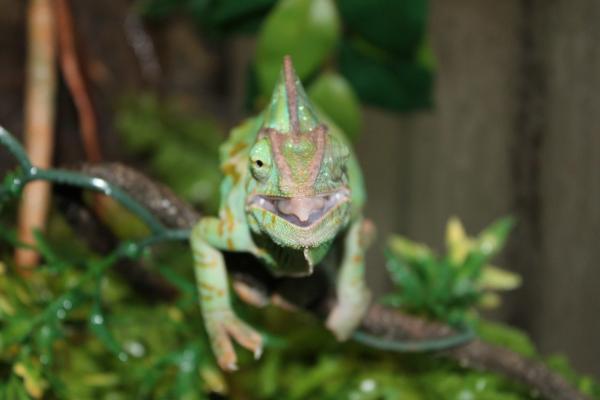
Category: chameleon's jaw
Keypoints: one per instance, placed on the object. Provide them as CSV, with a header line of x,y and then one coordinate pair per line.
x,y
303,211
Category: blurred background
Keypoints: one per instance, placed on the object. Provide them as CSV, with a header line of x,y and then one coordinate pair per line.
x,y
470,108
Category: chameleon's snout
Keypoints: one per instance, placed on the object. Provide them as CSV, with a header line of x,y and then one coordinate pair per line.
x,y
302,207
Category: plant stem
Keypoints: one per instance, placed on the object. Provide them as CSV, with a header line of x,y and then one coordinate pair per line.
x,y
39,123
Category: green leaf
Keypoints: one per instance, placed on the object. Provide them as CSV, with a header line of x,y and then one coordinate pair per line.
x,y
15,390
306,29
395,26
492,239
382,80
333,94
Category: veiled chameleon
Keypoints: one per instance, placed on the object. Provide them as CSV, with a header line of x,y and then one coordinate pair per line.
x,y
291,186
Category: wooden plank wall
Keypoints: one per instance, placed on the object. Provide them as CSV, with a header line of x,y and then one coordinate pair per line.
x,y
515,131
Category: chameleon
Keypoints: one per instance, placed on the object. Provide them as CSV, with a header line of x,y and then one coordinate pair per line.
x,y
291,187
292,192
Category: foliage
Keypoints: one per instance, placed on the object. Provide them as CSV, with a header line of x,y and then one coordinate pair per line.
x,y
50,349
448,287
170,141
73,329
307,30
337,100
377,48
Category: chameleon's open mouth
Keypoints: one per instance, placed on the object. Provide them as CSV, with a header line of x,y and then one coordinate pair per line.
x,y
302,211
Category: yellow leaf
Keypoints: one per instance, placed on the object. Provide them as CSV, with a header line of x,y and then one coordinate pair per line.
x,y
34,384
175,314
489,300
213,380
6,307
494,278
412,251
457,241
101,379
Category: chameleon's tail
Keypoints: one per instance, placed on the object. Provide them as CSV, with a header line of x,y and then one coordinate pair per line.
x,y
404,346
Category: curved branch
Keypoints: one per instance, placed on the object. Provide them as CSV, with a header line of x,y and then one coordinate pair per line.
x,y
392,324
382,321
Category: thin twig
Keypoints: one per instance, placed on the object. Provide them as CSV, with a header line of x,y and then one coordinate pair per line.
x,y
73,75
39,122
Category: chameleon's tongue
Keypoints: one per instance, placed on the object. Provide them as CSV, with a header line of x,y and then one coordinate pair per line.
x,y
301,207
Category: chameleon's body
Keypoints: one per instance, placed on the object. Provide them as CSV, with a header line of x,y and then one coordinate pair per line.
x,y
291,187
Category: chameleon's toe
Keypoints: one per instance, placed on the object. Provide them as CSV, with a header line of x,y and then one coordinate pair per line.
x,y
222,327
250,295
245,335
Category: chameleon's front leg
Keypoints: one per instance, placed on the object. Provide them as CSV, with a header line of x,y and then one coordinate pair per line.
x,y
220,321
353,296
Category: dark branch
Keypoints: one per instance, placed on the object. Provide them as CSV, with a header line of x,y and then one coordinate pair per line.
x,y
476,354
381,321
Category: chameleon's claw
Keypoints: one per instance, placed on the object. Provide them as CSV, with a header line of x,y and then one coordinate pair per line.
x,y
222,327
258,352
231,367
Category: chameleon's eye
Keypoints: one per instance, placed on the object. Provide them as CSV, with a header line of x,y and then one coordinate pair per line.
x,y
260,160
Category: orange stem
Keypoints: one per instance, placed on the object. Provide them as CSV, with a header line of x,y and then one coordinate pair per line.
x,y
39,122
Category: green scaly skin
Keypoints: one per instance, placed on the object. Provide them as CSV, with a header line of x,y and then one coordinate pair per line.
x,y
291,186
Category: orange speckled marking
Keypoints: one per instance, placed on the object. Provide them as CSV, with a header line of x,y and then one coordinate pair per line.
x,y
229,219
208,264
207,287
357,281
239,146
230,244
229,169
357,258
220,227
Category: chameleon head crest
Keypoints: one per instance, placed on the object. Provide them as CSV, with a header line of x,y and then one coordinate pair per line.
x,y
290,110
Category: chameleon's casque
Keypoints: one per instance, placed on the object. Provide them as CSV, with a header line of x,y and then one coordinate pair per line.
x,y
291,186
298,193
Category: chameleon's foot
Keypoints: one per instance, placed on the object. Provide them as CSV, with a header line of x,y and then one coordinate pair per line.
x,y
222,326
347,315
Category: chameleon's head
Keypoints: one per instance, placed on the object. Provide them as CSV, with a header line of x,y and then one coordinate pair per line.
x,y
299,193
